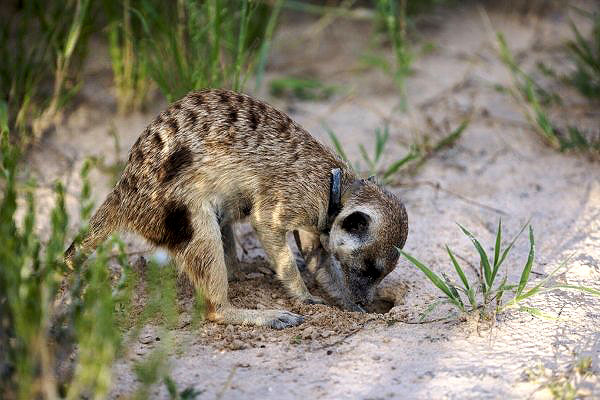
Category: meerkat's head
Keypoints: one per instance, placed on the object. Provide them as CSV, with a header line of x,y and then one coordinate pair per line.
x,y
364,238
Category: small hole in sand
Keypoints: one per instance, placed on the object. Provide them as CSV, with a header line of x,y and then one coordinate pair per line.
x,y
380,306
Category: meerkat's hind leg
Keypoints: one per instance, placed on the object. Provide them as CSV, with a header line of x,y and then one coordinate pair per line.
x,y
229,248
203,261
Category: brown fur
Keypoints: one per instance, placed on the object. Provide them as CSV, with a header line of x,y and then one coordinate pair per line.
x,y
214,157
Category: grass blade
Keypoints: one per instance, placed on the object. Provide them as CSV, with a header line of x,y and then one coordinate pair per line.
x,y
381,140
500,292
452,137
432,307
536,289
498,243
527,269
454,291
471,296
392,169
458,269
505,252
592,291
365,156
536,312
336,143
487,270
266,45
433,277
497,250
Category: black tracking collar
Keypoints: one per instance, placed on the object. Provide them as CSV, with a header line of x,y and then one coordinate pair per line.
x,y
335,197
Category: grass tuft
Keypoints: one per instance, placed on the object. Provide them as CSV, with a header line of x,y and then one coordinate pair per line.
x,y
586,55
42,47
486,294
533,98
212,44
130,71
416,156
300,88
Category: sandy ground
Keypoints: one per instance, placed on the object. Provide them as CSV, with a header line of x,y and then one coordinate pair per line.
x,y
498,168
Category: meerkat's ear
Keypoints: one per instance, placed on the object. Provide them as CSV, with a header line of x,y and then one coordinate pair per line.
x,y
356,185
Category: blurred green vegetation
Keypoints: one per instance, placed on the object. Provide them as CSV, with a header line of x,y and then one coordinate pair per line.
x,y
174,46
416,155
534,99
586,55
42,48
60,330
177,46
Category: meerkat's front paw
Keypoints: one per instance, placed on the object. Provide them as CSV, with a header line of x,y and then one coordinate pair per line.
x,y
310,299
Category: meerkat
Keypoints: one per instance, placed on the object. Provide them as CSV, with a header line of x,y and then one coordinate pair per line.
x,y
215,157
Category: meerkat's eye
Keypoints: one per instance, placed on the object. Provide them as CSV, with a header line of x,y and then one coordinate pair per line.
x,y
356,223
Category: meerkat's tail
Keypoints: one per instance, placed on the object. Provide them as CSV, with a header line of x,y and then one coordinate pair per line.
x,y
104,222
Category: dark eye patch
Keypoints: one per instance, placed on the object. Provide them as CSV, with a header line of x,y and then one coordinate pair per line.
x,y
371,271
356,224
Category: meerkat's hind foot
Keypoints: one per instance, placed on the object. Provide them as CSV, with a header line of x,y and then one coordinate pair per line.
x,y
276,319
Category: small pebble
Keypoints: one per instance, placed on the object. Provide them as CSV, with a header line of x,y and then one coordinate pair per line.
x,y
147,339
308,333
237,345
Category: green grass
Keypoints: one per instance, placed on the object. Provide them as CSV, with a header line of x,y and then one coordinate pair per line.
x,y
300,88
212,44
180,46
374,162
394,22
533,100
392,14
42,47
487,293
37,332
586,55
131,79
48,313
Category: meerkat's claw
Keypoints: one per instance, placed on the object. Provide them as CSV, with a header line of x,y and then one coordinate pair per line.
x,y
313,300
285,319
